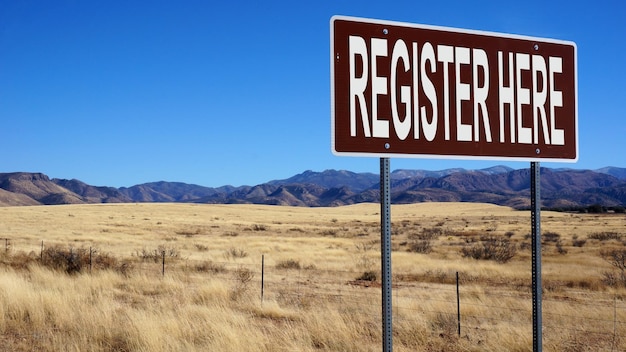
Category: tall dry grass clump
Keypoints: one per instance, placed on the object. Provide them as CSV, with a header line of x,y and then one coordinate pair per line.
x,y
109,312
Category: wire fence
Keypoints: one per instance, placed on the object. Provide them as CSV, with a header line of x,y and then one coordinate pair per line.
x,y
461,308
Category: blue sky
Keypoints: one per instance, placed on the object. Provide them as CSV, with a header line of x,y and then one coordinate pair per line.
x,y
118,93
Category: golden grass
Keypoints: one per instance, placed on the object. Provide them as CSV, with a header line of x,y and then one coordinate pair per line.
x,y
209,298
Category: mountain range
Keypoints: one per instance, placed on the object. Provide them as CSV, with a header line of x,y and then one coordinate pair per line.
x,y
560,188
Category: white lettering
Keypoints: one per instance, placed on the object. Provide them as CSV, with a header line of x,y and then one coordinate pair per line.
x,y
556,99
358,84
428,55
507,97
539,99
442,73
445,54
462,56
416,120
522,62
380,128
479,58
402,128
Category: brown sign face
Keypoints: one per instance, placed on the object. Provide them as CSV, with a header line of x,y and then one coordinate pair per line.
x,y
418,91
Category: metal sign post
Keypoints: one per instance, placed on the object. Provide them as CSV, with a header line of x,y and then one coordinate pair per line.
x,y
535,216
385,251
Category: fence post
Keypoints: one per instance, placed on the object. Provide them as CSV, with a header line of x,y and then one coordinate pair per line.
x,y
163,270
262,275
90,260
614,322
41,253
6,244
458,305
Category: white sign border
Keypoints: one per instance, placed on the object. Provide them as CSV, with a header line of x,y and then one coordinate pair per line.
x,y
454,30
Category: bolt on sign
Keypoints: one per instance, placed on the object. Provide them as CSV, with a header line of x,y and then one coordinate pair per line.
x,y
408,90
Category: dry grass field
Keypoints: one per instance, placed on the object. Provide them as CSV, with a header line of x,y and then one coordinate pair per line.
x,y
271,278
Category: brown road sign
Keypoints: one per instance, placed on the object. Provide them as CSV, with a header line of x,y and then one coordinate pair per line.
x,y
408,90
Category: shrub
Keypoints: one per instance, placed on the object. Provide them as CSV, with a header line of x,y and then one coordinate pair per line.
x,y
188,233
369,275
605,236
157,254
209,266
549,236
430,233
19,260
235,253
438,276
74,260
331,233
243,276
103,260
201,247
595,209
421,246
258,227
288,264
493,248
609,278
69,260
617,259
526,246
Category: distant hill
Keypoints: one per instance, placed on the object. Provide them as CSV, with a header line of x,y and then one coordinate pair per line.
x,y
613,171
93,194
34,188
332,178
167,192
560,188
404,174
